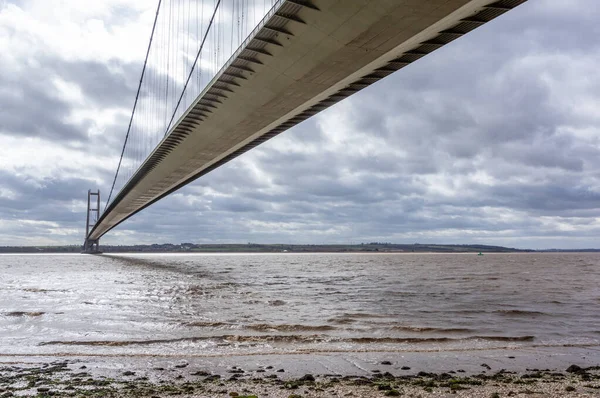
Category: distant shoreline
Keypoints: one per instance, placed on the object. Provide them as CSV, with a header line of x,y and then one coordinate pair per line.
x,y
373,247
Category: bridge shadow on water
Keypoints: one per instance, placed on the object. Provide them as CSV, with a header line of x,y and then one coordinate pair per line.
x,y
158,264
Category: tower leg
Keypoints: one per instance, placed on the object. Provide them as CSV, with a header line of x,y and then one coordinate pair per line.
x,y
91,245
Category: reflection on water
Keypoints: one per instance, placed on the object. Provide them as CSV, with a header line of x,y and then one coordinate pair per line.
x,y
255,303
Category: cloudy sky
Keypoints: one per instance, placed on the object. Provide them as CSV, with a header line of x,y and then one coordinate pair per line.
x,y
493,139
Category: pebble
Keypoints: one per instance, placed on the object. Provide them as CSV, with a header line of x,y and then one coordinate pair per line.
x,y
200,373
307,377
235,370
574,369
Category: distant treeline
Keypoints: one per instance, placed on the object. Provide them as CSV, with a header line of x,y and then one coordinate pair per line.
x,y
270,248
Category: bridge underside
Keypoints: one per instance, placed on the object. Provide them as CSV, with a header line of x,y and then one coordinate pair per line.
x,y
305,57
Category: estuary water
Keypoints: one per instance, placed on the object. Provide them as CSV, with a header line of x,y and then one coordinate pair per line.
x,y
237,304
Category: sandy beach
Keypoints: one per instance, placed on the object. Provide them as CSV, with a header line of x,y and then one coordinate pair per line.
x,y
543,372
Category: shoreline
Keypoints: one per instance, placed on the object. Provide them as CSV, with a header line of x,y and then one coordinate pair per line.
x,y
567,371
251,248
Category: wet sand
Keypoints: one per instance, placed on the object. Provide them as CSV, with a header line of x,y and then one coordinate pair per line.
x,y
544,372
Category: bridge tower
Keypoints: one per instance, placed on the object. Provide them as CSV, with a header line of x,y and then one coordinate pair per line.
x,y
92,245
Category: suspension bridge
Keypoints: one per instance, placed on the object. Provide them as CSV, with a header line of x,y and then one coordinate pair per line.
x,y
223,76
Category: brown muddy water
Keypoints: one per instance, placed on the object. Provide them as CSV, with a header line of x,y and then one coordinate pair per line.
x,y
237,304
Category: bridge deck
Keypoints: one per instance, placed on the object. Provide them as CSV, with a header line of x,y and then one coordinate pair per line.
x,y
305,56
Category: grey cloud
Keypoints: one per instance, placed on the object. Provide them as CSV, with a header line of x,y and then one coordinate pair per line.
x,y
31,193
30,106
108,85
545,199
27,109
